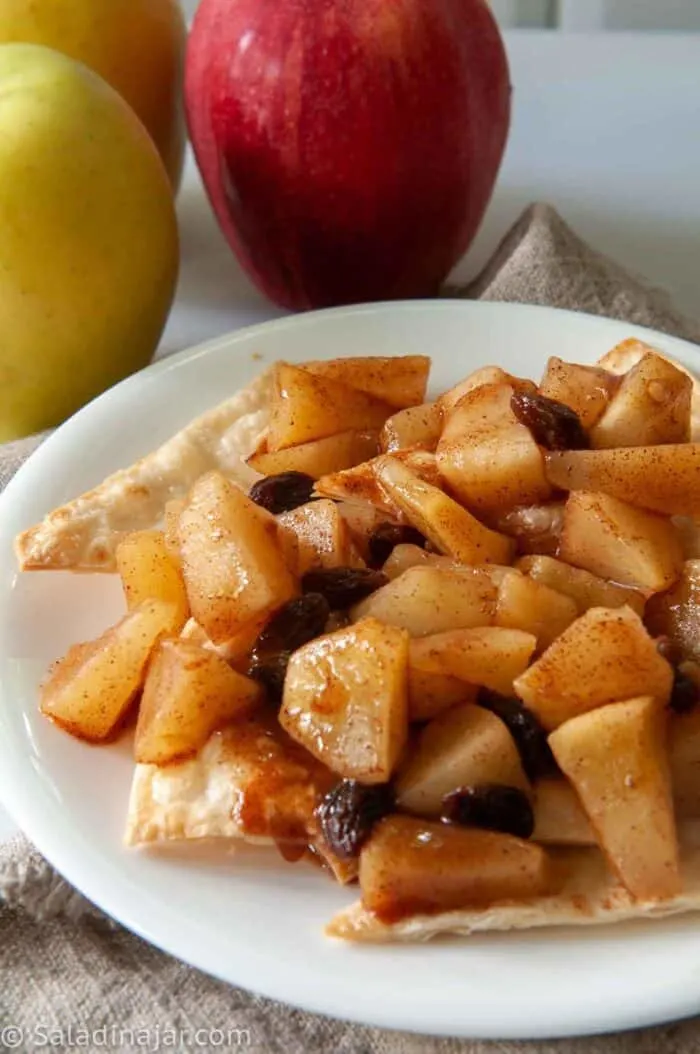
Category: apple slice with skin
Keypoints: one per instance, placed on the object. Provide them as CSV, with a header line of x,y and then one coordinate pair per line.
x,y
319,457
616,759
306,407
603,656
587,390
448,526
400,381
585,589
466,746
613,539
488,656
410,866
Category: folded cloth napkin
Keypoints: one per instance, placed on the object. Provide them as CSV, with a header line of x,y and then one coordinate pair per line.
x,y
64,966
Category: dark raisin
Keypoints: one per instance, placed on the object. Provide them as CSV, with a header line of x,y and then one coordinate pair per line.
x,y
384,539
270,673
529,735
492,806
286,490
348,813
669,650
684,693
553,424
297,622
343,586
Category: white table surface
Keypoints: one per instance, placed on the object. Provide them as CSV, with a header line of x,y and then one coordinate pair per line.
x,y
604,128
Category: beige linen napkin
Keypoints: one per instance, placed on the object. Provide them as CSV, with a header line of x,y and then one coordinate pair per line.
x,y
65,966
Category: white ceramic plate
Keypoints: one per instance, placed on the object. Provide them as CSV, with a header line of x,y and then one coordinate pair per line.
x,y
253,920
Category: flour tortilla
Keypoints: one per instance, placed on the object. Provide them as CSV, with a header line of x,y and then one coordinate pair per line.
x,y
83,535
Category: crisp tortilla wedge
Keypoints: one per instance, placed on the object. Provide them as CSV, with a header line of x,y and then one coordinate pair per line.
x,y
82,535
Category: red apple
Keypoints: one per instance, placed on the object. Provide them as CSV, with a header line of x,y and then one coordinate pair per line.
x,y
349,147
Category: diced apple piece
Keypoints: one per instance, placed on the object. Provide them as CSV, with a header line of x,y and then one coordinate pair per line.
x,y
345,699
190,692
615,540
404,556
684,762
148,572
427,600
322,538
410,866
484,375
664,479
587,390
319,457
430,693
586,590
616,759
488,656
90,691
466,746
559,816
307,407
449,527
603,656
398,380
234,569
534,528
417,426
489,458
676,614
651,406
526,604
235,651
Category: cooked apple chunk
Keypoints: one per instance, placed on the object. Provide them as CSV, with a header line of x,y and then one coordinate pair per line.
x,y
651,406
559,816
449,527
615,540
321,538
91,689
148,572
415,427
526,604
488,656
345,699
405,556
534,528
616,759
189,693
319,457
362,485
586,590
664,479
430,693
466,746
489,458
484,375
411,866
603,656
234,569
306,407
587,390
427,600
398,380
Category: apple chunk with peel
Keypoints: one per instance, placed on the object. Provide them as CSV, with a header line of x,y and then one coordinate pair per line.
x,y
489,458
615,540
425,600
466,746
319,457
488,656
449,527
585,589
345,699
91,689
651,406
190,692
412,866
306,407
587,390
149,572
417,426
663,479
616,759
603,656
400,381
234,569
531,606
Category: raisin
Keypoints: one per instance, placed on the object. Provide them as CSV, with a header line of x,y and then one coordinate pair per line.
x,y
530,738
384,539
297,622
492,806
553,424
684,693
343,586
348,813
669,650
285,491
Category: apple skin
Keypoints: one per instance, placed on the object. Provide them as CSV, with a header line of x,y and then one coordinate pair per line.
x,y
349,147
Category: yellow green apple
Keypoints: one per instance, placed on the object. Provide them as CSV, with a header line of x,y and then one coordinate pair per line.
x,y
137,46
88,238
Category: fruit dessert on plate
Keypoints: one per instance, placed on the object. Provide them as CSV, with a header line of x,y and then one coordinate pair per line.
x,y
447,649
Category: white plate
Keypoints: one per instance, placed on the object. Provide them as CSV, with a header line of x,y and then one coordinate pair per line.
x,y
253,920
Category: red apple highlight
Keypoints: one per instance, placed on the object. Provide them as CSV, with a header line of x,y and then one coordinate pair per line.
x,y
349,147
